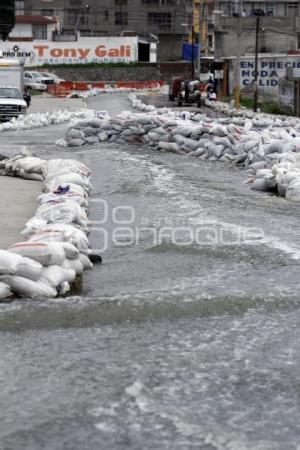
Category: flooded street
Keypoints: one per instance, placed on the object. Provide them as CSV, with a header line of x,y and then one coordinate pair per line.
x,y
186,337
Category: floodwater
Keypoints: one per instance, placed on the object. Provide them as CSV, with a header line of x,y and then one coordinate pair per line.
x,y
186,337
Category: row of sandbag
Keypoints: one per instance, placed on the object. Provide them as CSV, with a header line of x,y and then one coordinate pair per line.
x,y
259,120
36,120
212,139
55,249
165,130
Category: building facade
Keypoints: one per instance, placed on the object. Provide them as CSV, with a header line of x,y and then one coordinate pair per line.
x,y
165,21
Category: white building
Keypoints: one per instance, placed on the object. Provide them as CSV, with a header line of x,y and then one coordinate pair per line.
x,y
29,28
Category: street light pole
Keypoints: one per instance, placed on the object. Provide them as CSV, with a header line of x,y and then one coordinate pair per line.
x,y
237,84
256,65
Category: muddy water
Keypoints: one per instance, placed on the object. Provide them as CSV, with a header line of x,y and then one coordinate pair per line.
x,y
186,337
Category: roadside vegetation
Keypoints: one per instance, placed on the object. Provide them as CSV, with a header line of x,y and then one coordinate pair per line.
x,y
266,106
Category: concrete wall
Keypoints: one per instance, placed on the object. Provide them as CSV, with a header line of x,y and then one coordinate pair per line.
x,y
286,95
150,72
276,35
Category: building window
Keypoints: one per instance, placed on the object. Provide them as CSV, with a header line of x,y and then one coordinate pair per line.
x,y
160,19
76,2
270,9
39,31
47,12
106,15
150,2
121,18
72,16
20,7
120,2
292,9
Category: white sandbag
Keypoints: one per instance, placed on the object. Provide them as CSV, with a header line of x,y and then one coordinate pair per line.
x,y
5,291
219,130
70,250
62,212
57,166
46,253
76,142
73,264
52,198
73,133
28,288
68,178
55,275
28,268
26,164
91,139
62,232
274,147
9,262
260,185
85,261
293,191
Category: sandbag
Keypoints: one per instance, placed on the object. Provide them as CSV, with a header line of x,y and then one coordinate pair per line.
x,y
73,264
55,275
293,190
28,288
9,262
46,253
5,291
85,261
28,268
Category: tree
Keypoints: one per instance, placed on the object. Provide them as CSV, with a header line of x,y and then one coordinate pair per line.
x,y
7,17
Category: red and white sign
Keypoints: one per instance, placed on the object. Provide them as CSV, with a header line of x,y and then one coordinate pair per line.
x,y
85,50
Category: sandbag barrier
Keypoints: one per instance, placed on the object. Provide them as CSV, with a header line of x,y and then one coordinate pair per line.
x,y
65,88
55,249
270,155
36,120
259,120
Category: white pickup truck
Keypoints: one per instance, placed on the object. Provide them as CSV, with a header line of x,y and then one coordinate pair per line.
x,y
12,103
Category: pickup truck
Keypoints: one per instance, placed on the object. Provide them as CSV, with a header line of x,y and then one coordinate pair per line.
x,y
12,103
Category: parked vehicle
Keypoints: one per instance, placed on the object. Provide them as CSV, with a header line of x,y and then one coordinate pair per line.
x,y
12,103
37,76
34,85
51,75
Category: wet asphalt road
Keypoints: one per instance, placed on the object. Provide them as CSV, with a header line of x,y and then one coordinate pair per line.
x,y
171,346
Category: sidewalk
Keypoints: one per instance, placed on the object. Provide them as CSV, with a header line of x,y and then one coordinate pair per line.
x,y
18,203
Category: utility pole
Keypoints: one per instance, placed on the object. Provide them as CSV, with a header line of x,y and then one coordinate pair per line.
x,y
256,65
237,74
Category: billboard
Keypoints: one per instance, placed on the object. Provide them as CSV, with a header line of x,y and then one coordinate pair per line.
x,y
86,50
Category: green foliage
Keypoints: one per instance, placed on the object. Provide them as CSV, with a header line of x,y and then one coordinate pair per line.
x,y
267,106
